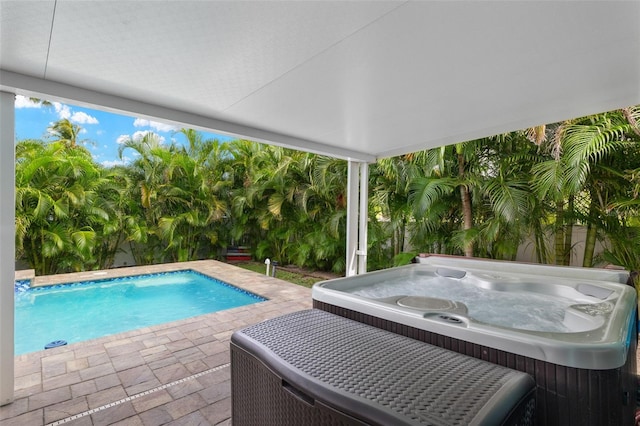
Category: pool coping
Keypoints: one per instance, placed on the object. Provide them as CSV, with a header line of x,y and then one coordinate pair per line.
x,y
173,372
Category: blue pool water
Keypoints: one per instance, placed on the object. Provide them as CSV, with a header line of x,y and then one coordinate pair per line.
x,y
82,311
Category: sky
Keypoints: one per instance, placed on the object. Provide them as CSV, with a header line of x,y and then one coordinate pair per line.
x,y
101,133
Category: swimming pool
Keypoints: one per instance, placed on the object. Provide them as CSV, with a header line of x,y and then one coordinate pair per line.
x,y
81,311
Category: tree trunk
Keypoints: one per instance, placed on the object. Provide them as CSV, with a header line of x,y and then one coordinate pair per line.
x,y
467,214
568,232
394,242
401,233
559,233
590,239
589,246
538,245
542,255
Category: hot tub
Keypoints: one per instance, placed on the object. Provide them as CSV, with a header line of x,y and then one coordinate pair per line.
x,y
572,329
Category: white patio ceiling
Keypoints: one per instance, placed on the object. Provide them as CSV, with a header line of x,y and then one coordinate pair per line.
x,y
353,79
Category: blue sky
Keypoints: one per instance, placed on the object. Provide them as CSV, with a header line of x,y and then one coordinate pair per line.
x,y
102,131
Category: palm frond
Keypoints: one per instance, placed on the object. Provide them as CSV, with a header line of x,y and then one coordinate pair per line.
x,y
424,192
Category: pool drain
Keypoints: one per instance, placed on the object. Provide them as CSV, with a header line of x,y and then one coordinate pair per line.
x,y
55,344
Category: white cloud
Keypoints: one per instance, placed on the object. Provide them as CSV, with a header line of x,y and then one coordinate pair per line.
x,y
79,117
160,127
25,102
137,136
63,110
140,134
83,118
122,138
111,163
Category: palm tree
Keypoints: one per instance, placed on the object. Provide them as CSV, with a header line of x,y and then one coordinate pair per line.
x,y
433,202
142,211
462,152
290,206
191,192
246,160
550,181
579,172
480,197
504,194
57,206
66,132
323,201
113,200
177,189
613,198
391,182
276,190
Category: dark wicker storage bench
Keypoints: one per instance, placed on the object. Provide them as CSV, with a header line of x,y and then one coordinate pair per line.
x,y
316,368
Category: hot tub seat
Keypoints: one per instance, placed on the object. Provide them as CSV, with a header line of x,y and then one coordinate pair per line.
x,y
313,367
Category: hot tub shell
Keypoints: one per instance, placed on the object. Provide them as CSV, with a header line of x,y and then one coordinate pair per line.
x,y
586,376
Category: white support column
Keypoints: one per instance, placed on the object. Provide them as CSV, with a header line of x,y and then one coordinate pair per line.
x,y
357,217
7,244
352,218
364,218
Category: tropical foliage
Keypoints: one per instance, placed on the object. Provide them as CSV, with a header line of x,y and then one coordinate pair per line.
x,y
486,197
62,207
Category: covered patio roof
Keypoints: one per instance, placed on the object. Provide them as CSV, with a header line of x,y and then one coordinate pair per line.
x,y
355,80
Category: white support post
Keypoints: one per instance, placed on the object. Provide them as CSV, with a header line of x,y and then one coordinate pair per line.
x,y
7,245
364,218
352,218
357,217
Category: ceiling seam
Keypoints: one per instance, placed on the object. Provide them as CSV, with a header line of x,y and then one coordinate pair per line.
x,y
315,55
53,18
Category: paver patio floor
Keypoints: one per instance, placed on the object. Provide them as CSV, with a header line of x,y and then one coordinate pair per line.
x,y
176,373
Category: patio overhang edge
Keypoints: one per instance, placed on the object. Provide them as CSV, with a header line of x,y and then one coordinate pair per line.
x,y
21,84
7,248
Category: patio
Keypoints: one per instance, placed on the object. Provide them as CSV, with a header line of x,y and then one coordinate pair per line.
x,y
176,373
314,84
